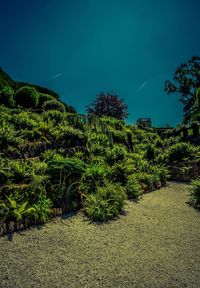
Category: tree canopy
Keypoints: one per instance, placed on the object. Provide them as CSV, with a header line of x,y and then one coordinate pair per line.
x,y
108,104
186,80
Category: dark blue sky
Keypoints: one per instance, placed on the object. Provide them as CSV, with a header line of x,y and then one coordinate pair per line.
x,y
129,46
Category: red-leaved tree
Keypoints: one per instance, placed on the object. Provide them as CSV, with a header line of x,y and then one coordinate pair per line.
x,y
108,104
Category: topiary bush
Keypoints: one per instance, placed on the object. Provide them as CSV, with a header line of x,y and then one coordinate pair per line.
x,y
106,203
27,97
44,98
53,105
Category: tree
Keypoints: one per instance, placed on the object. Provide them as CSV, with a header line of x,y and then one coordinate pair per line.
x,y
186,80
108,104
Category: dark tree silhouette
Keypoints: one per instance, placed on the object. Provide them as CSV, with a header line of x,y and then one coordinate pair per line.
x,y
186,80
108,104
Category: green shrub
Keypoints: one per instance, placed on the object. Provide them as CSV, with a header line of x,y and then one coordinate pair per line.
x,y
43,98
161,172
13,211
195,192
106,203
93,176
118,173
41,209
24,121
53,115
180,151
133,188
69,136
147,180
53,105
7,96
8,136
66,166
27,97
19,170
115,154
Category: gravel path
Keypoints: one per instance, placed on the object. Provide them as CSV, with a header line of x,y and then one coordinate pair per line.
x,y
157,244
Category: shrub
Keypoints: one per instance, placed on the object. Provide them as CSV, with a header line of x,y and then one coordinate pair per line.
x,y
70,136
11,210
27,97
8,136
180,151
195,128
43,98
53,115
146,180
65,171
116,153
6,96
118,173
19,170
93,176
53,105
195,192
23,121
161,172
106,203
41,209
133,188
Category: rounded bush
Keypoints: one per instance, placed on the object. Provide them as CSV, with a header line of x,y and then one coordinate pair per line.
x,y
27,97
53,105
43,98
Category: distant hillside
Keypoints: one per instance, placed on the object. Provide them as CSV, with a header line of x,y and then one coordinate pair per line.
x,y
11,87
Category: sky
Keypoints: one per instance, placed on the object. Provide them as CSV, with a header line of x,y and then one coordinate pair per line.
x,y
80,48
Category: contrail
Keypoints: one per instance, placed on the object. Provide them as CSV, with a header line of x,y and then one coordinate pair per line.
x,y
141,87
55,76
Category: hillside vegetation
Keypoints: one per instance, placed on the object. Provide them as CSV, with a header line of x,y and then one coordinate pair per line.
x,y
53,160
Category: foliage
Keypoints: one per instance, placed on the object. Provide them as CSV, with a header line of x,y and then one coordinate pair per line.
x,y
115,154
7,96
186,80
108,104
106,203
195,192
133,188
13,211
27,97
44,98
53,105
180,151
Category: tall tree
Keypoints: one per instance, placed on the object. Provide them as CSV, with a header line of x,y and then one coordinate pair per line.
x,y
108,104
186,80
